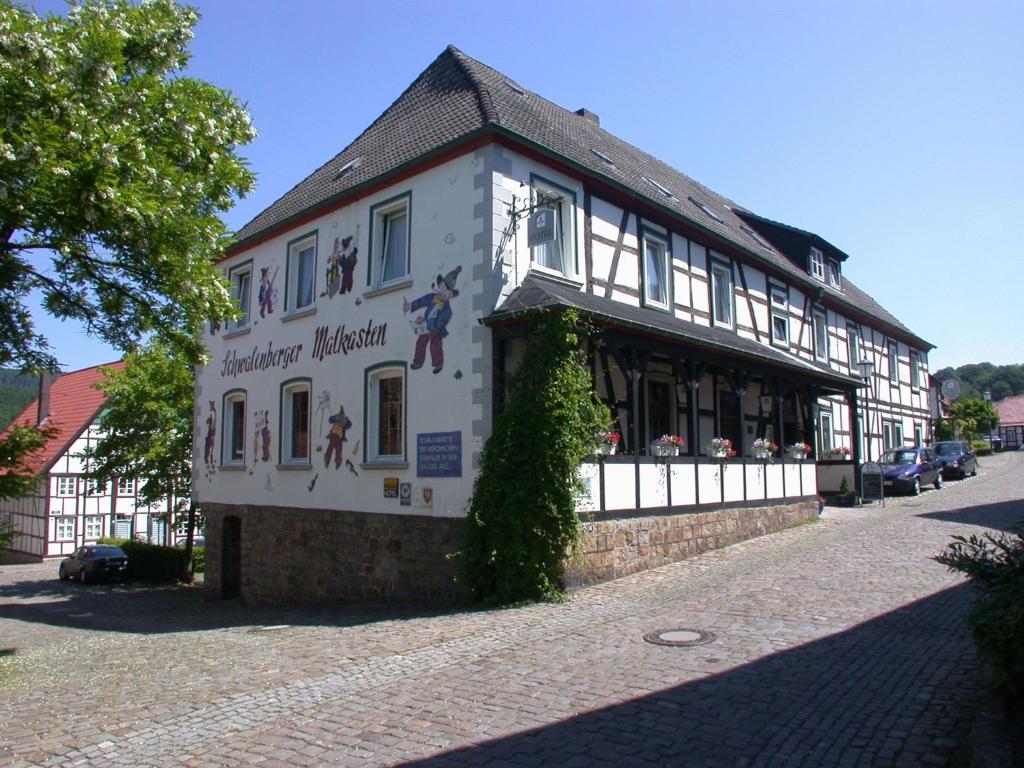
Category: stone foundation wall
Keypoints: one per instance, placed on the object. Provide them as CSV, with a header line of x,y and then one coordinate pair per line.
x,y
311,556
614,548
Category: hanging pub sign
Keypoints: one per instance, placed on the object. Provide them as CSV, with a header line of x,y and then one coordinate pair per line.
x,y
540,227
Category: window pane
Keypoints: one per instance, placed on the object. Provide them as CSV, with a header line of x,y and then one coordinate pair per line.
x,y
657,288
550,254
238,430
779,329
854,347
304,270
389,417
241,294
395,246
300,424
820,337
723,298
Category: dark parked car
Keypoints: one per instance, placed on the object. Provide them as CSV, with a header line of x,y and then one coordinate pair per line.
x,y
94,561
907,469
958,458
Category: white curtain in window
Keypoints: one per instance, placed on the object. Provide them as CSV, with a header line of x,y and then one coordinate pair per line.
x,y
657,287
395,246
304,278
723,296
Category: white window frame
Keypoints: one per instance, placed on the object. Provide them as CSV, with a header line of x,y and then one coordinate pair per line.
x,y
915,370
564,202
93,527
825,435
126,486
294,291
893,353
778,302
820,334
381,215
853,346
663,257
720,269
63,481
816,264
897,434
64,528
94,487
241,291
372,417
835,278
229,457
918,434
288,456
887,435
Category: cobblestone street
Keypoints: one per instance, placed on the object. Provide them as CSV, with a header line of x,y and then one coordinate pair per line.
x,y
837,643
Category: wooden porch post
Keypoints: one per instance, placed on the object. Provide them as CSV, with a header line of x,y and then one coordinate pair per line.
x,y
851,400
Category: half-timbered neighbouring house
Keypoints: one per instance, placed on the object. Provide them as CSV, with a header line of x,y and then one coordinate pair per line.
x,y
66,508
341,418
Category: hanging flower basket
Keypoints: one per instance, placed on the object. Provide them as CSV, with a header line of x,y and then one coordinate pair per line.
x,y
607,443
720,448
798,451
764,449
667,445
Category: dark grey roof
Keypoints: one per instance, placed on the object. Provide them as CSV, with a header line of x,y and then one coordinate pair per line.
x,y
539,291
457,96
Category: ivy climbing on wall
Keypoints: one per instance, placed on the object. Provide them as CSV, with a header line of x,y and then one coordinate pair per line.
x,y
522,520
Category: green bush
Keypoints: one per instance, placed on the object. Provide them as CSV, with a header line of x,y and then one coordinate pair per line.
x,y
996,565
198,559
150,562
522,517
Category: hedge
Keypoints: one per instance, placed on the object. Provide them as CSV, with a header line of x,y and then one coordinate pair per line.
x,y
150,562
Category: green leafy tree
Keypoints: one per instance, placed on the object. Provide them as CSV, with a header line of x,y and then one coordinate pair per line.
x,y
147,423
16,447
522,518
114,170
973,417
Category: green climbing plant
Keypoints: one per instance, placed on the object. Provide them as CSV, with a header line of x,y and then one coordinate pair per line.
x,y
522,519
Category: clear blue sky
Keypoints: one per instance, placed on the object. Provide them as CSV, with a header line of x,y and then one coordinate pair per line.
x,y
893,129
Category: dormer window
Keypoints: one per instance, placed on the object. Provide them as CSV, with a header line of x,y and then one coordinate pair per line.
x,y
817,264
833,274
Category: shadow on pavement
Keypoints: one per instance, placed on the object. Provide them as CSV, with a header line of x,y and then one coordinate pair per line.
x,y
898,690
28,595
1000,516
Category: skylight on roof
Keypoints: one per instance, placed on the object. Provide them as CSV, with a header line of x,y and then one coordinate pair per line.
x,y
657,186
512,86
755,236
351,165
704,208
603,156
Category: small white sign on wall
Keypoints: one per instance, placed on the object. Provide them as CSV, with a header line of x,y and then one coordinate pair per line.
x,y
540,227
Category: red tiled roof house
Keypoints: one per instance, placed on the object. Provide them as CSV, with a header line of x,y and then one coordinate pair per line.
x,y
66,510
1011,421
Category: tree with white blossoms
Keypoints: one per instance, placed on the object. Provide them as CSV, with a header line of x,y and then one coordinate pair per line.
x,y
114,170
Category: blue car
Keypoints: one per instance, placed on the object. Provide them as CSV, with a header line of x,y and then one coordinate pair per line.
x,y
906,470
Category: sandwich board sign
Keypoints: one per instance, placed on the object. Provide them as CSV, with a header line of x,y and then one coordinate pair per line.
x,y
871,485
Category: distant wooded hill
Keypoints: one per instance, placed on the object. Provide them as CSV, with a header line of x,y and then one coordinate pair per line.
x,y
1002,380
16,391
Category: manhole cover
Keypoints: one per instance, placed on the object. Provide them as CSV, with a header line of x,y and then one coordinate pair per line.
x,y
680,637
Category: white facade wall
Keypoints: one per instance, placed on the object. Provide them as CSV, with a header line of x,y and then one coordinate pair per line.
x,y
442,229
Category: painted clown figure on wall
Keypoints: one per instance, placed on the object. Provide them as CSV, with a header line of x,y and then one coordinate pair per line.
x,y
432,326
340,424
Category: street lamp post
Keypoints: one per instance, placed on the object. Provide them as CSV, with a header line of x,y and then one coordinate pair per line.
x,y
866,368
987,394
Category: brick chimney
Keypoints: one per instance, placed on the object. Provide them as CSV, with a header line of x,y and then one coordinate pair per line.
x,y
43,413
586,114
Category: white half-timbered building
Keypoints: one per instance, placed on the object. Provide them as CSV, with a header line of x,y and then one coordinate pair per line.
x,y
341,419
67,509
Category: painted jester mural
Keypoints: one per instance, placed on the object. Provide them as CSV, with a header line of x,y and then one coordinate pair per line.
x,y
432,326
209,454
341,265
340,424
267,292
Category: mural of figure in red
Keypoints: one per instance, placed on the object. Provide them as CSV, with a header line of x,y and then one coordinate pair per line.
x,y
432,326
341,265
340,424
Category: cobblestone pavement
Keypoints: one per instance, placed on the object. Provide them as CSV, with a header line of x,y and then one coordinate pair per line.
x,y
837,643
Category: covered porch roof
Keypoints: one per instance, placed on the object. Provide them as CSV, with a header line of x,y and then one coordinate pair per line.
x,y
539,291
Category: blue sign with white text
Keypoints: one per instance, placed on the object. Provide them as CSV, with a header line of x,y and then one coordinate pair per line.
x,y
439,454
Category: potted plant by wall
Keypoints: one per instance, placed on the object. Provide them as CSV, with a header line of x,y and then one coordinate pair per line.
x,y
845,497
839,453
764,449
798,450
608,443
667,445
720,448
